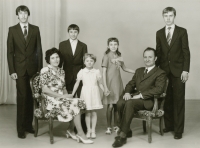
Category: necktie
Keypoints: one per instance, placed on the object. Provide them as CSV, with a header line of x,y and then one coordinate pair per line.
x,y
145,71
25,32
169,38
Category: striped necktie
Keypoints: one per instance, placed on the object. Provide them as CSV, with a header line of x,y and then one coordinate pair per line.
x,y
25,33
169,37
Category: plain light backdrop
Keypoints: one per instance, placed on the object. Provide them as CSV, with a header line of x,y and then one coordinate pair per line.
x,y
133,22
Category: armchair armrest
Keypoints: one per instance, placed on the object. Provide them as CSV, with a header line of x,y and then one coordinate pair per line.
x,y
43,108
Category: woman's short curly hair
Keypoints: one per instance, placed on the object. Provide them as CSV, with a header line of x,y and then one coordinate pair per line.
x,y
50,52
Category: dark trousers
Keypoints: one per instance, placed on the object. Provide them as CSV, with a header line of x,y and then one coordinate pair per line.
x,y
126,111
69,88
175,105
24,103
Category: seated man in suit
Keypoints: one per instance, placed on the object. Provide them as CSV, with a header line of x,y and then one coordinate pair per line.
x,y
147,81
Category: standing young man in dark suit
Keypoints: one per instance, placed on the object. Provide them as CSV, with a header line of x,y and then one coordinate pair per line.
x,y
174,58
72,51
147,81
24,53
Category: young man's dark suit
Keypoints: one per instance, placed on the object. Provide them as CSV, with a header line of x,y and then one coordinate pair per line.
x,y
149,85
24,59
72,64
174,59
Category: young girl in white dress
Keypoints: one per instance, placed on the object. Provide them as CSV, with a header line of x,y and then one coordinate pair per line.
x,y
90,92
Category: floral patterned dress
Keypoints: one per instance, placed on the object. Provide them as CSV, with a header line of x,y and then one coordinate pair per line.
x,y
65,108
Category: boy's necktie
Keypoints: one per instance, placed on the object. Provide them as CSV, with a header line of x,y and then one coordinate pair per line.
x,y
25,32
169,38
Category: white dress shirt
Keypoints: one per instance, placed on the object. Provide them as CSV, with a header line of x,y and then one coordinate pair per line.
x,y
171,30
22,27
73,45
149,68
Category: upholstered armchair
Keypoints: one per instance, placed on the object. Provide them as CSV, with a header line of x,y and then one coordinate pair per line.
x,y
40,107
156,113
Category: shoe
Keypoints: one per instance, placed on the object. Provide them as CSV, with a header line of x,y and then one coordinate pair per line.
x,y
166,130
129,135
21,135
177,136
69,135
80,139
108,131
93,135
88,134
32,131
116,129
119,142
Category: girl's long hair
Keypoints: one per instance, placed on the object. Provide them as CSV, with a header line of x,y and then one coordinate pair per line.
x,y
115,40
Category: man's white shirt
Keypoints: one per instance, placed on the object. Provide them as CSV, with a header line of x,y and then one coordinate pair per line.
x,y
73,45
22,27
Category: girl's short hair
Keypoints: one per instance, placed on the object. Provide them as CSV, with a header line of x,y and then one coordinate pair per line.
x,y
22,8
50,52
113,39
73,27
88,55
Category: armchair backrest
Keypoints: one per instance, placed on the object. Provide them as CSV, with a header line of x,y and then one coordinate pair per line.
x,y
34,82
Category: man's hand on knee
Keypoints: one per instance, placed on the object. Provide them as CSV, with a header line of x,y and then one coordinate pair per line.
x,y
127,96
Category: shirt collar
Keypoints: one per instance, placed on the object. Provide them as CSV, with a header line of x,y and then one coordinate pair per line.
x,y
73,41
172,27
150,68
22,25
89,70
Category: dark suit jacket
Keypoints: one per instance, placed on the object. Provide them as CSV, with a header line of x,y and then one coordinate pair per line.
x,y
176,57
24,55
72,63
149,85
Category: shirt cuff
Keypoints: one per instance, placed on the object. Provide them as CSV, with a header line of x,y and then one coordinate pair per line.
x,y
141,96
186,72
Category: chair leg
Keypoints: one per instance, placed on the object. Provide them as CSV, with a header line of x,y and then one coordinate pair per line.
x,y
144,126
51,130
149,122
36,126
161,125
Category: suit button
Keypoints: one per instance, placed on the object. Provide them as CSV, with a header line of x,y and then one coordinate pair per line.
x,y
169,61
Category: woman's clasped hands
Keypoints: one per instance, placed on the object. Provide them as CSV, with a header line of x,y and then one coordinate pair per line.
x,y
64,96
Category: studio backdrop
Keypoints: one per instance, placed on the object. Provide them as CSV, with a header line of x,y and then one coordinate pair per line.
x,y
133,22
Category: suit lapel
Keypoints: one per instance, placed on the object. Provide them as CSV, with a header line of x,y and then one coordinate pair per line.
x,y
164,37
20,33
78,49
68,44
175,35
30,30
149,73
141,75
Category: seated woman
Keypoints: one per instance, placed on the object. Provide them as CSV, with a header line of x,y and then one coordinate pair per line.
x,y
59,103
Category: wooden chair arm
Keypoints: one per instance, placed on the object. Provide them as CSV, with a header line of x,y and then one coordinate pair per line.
x,y
43,107
155,107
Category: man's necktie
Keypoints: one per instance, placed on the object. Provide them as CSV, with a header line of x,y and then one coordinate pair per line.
x,y
169,37
145,71
25,32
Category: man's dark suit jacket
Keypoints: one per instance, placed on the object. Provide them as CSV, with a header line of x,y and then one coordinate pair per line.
x,y
24,55
149,85
72,63
176,57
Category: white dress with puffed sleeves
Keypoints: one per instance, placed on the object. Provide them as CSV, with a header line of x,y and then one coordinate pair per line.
x,y
90,90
